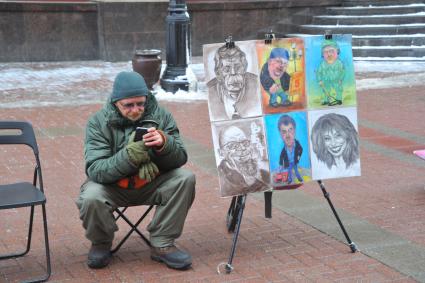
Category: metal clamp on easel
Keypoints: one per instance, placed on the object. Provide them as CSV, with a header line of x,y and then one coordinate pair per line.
x,y
328,34
268,37
229,42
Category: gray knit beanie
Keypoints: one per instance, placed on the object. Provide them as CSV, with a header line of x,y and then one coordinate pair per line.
x,y
128,84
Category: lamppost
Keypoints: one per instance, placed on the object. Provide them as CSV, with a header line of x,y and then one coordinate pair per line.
x,y
296,54
177,47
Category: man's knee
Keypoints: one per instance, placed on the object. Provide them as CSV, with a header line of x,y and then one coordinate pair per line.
x,y
181,182
91,198
188,177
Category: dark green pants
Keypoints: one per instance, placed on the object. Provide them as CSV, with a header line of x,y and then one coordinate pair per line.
x,y
172,193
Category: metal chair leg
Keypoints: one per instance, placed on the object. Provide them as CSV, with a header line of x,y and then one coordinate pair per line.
x,y
133,228
28,246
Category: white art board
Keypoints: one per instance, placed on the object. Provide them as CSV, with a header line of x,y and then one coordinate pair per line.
x,y
334,143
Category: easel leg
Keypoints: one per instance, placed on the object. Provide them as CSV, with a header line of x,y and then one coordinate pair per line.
x,y
352,245
229,266
268,204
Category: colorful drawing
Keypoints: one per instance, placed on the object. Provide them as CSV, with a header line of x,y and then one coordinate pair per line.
x,y
283,113
232,80
330,71
241,156
334,142
282,75
287,141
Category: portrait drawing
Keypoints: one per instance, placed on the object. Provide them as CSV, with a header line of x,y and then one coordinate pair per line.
x,y
334,143
330,72
287,140
232,81
241,156
282,76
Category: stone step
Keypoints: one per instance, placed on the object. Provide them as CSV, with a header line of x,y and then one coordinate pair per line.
x,y
392,40
389,51
382,51
376,10
358,29
366,51
379,30
406,41
378,2
369,19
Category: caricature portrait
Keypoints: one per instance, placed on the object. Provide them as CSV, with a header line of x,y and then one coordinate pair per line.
x,y
330,77
287,139
275,79
282,75
335,144
292,149
233,92
241,157
330,73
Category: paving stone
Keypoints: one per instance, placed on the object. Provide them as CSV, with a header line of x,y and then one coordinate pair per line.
x,y
384,210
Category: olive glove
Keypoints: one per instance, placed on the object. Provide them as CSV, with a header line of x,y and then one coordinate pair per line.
x,y
137,151
148,171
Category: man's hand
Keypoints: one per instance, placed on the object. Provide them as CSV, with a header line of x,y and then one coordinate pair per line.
x,y
154,138
148,171
137,151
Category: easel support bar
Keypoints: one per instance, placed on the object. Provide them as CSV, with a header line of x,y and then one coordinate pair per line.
x,y
229,266
352,245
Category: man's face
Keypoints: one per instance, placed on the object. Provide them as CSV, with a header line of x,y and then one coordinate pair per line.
x,y
236,148
330,54
132,108
335,142
232,71
287,132
277,66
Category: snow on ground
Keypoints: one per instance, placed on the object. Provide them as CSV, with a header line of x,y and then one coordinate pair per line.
x,y
78,83
380,7
371,16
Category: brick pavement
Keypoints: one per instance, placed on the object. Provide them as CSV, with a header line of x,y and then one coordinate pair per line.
x,y
390,195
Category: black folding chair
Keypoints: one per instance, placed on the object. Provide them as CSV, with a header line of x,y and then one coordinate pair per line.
x,y
134,226
24,194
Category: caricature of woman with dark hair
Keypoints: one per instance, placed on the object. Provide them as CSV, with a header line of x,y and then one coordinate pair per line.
x,y
335,142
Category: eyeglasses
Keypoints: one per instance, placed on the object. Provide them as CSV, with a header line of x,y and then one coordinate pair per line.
x,y
129,106
237,145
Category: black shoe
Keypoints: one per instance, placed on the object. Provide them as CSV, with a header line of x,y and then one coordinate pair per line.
x,y
99,255
172,257
286,103
336,102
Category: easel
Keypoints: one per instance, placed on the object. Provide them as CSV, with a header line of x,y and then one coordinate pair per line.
x,y
237,205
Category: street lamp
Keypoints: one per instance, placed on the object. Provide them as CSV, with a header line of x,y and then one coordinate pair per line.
x,y
177,47
295,55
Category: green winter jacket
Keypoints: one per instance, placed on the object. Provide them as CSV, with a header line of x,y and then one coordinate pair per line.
x,y
107,134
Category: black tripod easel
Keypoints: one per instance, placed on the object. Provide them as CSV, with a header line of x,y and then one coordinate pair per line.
x,y
237,206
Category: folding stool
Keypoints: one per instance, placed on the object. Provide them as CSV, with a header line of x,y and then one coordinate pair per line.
x,y
120,214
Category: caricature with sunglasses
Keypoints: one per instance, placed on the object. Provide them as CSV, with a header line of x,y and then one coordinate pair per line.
x,y
123,171
240,170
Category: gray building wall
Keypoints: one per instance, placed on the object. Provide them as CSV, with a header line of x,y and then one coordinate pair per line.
x,y
113,30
